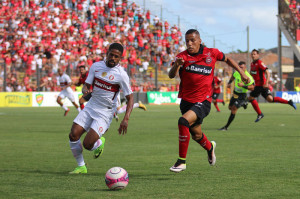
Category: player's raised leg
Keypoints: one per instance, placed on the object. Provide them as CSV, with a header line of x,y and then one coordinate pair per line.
x,y
281,100
76,148
142,106
201,139
59,101
94,140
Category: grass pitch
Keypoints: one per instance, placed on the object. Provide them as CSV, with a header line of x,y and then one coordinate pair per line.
x,y
254,160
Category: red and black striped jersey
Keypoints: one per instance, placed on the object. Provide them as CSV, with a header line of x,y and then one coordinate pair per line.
x,y
82,78
197,74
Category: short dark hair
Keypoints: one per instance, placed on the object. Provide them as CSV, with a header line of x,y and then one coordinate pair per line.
x,y
81,66
116,46
242,62
191,31
254,50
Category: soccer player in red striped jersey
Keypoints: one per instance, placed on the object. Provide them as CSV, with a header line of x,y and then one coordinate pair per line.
x,y
261,75
216,92
83,75
196,70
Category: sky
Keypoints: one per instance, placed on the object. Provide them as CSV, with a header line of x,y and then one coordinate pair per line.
x,y
223,21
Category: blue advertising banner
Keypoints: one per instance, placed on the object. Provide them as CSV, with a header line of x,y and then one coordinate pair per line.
x,y
289,95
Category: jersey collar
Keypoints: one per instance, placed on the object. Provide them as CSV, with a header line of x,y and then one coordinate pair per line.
x,y
199,52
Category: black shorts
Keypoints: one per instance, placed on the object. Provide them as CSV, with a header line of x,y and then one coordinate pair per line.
x,y
201,109
238,99
87,97
215,96
260,90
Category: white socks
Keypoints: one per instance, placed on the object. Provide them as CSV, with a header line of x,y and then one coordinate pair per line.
x,y
64,107
97,144
136,105
76,149
123,108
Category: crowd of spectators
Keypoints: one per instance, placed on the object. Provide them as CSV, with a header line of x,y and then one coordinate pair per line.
x,y
46,35
295,8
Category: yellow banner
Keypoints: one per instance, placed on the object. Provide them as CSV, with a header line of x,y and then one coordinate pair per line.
x,y
15,99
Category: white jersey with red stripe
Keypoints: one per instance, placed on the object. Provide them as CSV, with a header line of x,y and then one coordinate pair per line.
x,y
64,80
107,84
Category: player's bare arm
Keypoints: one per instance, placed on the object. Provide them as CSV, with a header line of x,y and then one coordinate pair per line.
x,y
266,85
178,62
230,81
234,65
86,89
124,124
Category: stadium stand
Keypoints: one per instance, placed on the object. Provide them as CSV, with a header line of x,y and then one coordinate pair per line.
x,y
52,34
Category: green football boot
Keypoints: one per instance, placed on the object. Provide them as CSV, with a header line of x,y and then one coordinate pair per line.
x,y
98,152
79,169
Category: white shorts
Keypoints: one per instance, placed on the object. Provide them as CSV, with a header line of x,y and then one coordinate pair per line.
x,y
68,92
88,118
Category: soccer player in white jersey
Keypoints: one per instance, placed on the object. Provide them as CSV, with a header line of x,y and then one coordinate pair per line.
x,y
108,78
66,91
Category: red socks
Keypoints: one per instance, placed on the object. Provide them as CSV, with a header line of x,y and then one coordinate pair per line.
x,y
184,137
81,106
256,107
216,105
280,100
220,101
204,142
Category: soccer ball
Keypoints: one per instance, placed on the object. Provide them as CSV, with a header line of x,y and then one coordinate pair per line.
x,y
116,178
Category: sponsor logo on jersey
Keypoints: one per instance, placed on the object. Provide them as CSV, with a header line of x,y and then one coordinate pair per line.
x,y
253,72
106,85
101,85
199,69
39,99
192,61
63,83
104,74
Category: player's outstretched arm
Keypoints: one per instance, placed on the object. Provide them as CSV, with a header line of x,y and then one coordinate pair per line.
x,y
234,65
124,124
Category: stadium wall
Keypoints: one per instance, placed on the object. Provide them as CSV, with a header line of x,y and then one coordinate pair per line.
x,y
48,99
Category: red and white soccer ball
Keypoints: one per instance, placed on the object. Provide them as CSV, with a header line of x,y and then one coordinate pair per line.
x,y
116,178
